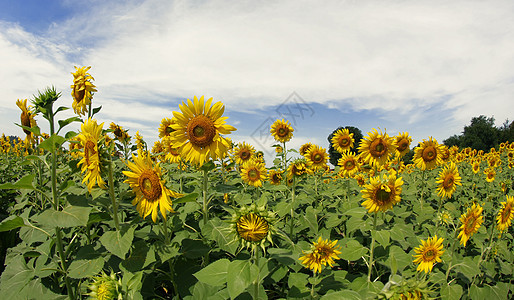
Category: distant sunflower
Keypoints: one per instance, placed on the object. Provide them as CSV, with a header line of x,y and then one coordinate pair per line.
x,y
82,90
382,193
282,131
198,128
349,164
119,133
448,180
342,140
304,148
279,149
445,153
490,174
316,157
428,253
165,128
322,252
361,180
476,167
254,173
26,118
377,148
243,153
158,150
172,154
428,154
275,177
145,179
403,141
505,214
470,223
298,168
91,164
140,143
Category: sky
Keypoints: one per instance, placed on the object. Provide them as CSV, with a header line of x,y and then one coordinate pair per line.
x,y
424,67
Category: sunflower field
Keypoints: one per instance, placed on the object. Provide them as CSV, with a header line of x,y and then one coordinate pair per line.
x,y
98,214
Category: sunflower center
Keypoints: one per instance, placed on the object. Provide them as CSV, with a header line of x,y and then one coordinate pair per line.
x,y
78,94
382,196
448,182
201,131
174,151
245,154
89,150
349,164
429,255
282,132
429,153
169,130
506,214
344,141
378,148
253,174
402,145
276,177
317,158
490,175
150,185
470,224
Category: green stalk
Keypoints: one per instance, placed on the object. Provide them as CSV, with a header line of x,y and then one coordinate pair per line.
x,y
256,255
293,194
284,156
204,203
422,188
370,266
313,292
112,196
451,254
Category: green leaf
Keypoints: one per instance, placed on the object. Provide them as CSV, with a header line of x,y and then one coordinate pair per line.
x,y
65,122
451,292
24,183
11,222
194,248
96,110
358,212
139,258
118,243
85,267
54,140
382,237
70,216
239,276
352,250
15,277
215,273
208,166
347,294
61,108
311,219
187,198
221,235
468,267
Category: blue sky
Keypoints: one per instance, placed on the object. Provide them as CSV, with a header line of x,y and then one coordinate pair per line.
x,y
425,67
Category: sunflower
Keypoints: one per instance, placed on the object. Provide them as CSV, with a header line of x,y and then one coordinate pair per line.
x,y
490,174
74,146
279,149
316,157
91,165
321,253
106,287
26,118
140,143
119,133
282,131
304,148
349,164
382,193
445,153
505,214
377,147
243,153
342,140
361,180
275,177
253,226
158,149
197,130
448,180
172,154
471,221
403,141
428,253
253,173
428,154
165,128
476,166
151,193
298,168
81,90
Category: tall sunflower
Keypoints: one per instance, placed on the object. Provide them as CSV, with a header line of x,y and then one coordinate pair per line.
x,y
82,90
505,214
403,141
322,252
254,173
470,223
91,163
428,253
298,168
282,131
145,179
198,128
243,153
382,193
448,180
342,140
275,177
349,164
428,154
165,128
26,118
316,157
304,148
377,148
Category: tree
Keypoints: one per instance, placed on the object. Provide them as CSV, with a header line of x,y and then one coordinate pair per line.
x,y
334,156
481,134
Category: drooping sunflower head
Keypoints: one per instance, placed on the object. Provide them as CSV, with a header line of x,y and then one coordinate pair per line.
x,y
505,215
304,148
377,148
197,131
298,168
428,253
382,193
119,133
82,90
253,226
403,141
106,287
26,117
470,223
158,150
243,153
342,140
322,252
282,131
165,128
145,179
92,164
171,153
316,157
275,177
254,173
428,154
349,164
448,180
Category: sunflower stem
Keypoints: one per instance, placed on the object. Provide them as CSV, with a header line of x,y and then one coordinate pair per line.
x,y
205,204
256,254
111,194
422,188
165,231
451,254
314,282
293,192
370,266
285,156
